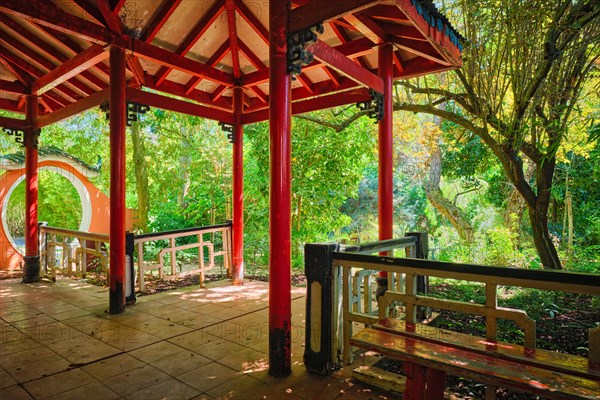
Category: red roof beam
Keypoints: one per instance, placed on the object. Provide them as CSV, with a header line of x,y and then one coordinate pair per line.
x,y
367,27
71,68
10,105
353,49
161,17
66,92
251,19
23,79
180,106
319,88
386,13
260,94
303,79
46,14
117,5
49,51
75,108
32,57
193,37
317,103
199,96
12,123
176,61
339,62
335,79
322,11
12,87
233,39
249,54
113,22
88,8
403,31
218,92
212,61
421,49
67,45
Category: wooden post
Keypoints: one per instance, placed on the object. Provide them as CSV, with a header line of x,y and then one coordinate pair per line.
x,y
280,121
31,269
118,120
386,157
237,272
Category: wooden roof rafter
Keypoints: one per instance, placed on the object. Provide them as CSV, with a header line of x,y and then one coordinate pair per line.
x,y
66,93
424,42
233,38
161,17
214,60
48,51
192,38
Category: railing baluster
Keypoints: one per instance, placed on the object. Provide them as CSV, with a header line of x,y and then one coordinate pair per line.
x,y
173,259
346,311
411,291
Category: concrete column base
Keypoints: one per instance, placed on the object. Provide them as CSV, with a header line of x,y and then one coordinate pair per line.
x,y
31,269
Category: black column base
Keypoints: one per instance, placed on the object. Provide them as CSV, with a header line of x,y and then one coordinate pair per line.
x,y
31,269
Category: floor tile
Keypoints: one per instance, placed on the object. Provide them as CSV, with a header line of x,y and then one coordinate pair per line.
x,y
156,351
83,350
217,349
242,387
90,391
112,366
245,360
6,379
167,390
208,376
135,379
14,393
180,363
58,383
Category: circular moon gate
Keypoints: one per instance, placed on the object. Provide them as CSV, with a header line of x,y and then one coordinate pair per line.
x,y
95,204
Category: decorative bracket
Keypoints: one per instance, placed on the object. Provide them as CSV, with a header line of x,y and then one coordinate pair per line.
x,y
297,42
133,111
18,134
373,106
229,129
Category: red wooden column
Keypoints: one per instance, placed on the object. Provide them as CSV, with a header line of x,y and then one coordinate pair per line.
x,y
238,187
386,154
118,120
280,111
31,269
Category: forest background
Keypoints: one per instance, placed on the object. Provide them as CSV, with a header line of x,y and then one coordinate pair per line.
x,y
499,161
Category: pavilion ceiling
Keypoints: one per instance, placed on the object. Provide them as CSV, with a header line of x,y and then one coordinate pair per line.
x,y
186,55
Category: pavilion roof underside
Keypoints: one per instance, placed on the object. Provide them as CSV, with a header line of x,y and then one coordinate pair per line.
x,y
197,50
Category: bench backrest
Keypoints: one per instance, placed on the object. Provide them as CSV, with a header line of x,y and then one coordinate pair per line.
x,y
407,270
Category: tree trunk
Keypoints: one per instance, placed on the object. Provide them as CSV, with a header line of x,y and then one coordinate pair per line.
x,y
541,239
141,177
538,215
435,196
515,207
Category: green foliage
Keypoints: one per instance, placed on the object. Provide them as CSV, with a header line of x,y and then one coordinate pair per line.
x,y
59,204
326,169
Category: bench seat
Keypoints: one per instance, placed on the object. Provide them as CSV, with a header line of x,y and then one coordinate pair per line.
x,y
551,360
483,368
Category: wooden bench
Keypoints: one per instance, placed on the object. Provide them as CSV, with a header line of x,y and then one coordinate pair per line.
x,y
429,353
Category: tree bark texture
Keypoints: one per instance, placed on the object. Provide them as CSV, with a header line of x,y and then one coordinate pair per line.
x,y
445,207
141,177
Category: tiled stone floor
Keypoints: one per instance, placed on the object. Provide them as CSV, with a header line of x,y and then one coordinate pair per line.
x,y
58,342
